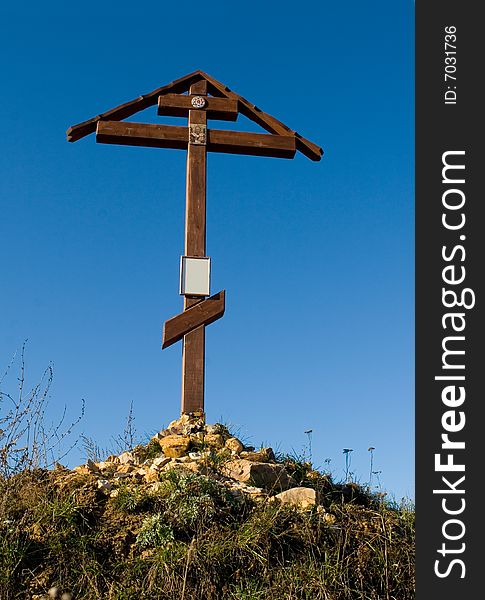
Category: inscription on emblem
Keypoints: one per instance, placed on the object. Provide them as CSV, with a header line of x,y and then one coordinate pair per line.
x,y
198,134
198,102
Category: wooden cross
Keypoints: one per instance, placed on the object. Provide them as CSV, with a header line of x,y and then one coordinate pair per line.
x,y
198,97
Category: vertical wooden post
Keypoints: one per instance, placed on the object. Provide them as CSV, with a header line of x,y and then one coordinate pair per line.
x,y
193,348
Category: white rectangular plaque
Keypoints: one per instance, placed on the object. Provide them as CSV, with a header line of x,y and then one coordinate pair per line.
x,y
195,275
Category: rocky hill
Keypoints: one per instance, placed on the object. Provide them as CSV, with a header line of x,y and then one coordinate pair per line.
x,y
197,514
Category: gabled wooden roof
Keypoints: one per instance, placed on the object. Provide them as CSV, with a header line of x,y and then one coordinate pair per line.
x,y
216,88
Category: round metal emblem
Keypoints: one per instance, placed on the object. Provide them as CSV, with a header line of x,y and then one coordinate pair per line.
x,y
198,102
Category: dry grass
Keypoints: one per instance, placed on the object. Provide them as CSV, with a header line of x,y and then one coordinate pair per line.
x,y
192,539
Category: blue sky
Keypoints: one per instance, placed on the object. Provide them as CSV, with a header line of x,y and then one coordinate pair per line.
x,y
317,258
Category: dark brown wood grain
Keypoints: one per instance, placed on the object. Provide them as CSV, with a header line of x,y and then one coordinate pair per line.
x,y
193,350
142,134
171,136
193,371
203,313
179,105
255,144
196,183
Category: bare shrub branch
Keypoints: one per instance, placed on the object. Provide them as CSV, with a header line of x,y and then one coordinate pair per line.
x,y
26,442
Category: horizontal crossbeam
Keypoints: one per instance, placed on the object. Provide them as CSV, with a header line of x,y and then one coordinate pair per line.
x,y
202,313
170,136
178,105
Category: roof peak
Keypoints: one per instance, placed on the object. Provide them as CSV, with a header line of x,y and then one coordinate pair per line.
x,y
182,85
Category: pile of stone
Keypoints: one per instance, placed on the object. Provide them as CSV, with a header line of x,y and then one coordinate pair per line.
x,y
190,444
